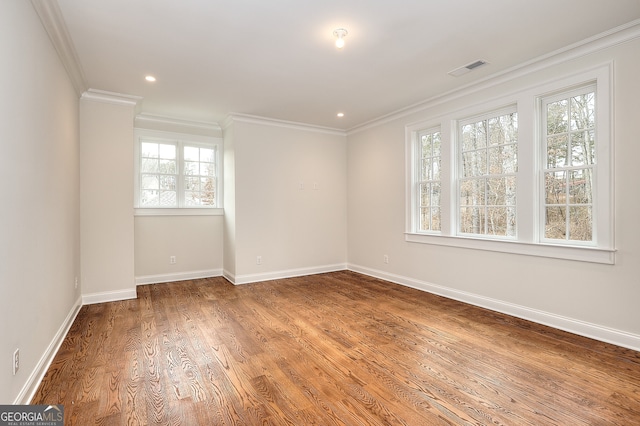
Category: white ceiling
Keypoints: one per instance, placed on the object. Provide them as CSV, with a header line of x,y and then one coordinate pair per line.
x,y
277,59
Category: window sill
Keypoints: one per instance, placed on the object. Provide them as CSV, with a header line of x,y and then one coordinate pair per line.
x,y
582,254
178,212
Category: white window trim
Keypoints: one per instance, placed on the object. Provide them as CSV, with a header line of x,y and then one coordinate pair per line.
x,y
196,140
528,191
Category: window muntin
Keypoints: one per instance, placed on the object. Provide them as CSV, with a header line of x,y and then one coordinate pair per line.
x,y
199,176
176,173
488,158
532,162
570,158
428,187
158,174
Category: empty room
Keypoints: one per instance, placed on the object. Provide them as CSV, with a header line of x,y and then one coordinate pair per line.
x,y
328,213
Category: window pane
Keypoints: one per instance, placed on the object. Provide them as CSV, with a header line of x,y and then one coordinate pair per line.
x,y
426,169
426,145
424,194
474,136
191,168
501,191
472,192
501,221
435,194
580,186
168,151
150,182
149,198
557,151
436,144
206,155
557,117
474,163
472,220
168,183
502,159
168,199
149,165
583,111
192,183
583,148
555,187
150,150
580,223
435,219
555,223
167,167
191,153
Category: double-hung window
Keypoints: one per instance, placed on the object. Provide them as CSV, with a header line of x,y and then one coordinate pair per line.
x,y
533,177
488,159
176,171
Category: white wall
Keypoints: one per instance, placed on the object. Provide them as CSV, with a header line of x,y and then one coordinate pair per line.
x,y
295,231
39,186
106,197
592,299
195,241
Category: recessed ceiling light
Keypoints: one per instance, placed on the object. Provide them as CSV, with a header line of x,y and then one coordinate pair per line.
x,y
340,114
150,78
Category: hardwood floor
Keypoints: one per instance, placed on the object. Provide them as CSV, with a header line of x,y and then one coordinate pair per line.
x,y
330,349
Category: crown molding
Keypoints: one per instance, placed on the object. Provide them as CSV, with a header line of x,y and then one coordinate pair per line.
x,y
599,42
151,118
54,25
253,119
110,97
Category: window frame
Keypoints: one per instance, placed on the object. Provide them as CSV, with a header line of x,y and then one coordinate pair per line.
x,y
180,140
529,192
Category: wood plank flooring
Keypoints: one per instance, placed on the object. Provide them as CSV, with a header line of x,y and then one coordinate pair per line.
x,y
330,349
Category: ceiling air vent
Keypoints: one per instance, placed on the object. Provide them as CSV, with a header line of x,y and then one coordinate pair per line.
x,y
466,68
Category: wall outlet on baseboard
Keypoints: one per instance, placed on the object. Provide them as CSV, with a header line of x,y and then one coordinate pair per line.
x,y
16,361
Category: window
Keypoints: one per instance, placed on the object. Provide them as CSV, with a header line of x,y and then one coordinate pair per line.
x,y
570,158
429,180
487,182
177,172
533,177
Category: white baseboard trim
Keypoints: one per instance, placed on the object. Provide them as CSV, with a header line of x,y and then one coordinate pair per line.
x,y
178,276
582,328
109,296
276,275
35,378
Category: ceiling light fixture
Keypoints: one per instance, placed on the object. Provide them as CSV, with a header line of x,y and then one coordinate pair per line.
x,y
340,34
340,114
150,78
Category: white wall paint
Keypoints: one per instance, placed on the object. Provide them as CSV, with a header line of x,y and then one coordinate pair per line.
x,y
106,198
195,241
39,186
229,232
292,229
604,296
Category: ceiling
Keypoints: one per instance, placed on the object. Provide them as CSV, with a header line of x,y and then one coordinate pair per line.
x,y
277,58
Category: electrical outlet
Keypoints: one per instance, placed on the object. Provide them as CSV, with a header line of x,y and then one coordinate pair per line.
x,y
386,259
172,260
258,260
16,361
